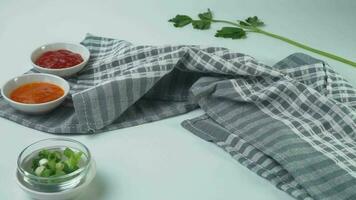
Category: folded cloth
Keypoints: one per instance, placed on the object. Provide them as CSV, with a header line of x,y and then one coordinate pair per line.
x,y
292,124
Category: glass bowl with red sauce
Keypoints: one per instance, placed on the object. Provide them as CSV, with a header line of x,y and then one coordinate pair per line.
x,y
61,59
35,93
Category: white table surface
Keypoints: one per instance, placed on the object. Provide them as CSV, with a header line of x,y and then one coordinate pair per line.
x,y
161,160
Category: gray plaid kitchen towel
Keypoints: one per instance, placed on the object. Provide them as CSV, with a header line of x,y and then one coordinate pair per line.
x,y
293,124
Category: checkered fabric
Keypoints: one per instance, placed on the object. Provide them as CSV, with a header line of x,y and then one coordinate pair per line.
x,y
293,124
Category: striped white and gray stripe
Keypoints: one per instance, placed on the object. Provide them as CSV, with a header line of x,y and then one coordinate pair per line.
x,y
292,123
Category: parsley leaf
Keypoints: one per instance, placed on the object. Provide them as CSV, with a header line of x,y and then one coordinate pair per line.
x,y
201,24
242,23
206,16
231,32
254,21
204,22
181,20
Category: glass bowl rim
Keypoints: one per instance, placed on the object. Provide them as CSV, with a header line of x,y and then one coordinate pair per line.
x,y
78,171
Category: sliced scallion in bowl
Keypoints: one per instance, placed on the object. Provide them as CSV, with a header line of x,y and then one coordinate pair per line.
x,y
54,163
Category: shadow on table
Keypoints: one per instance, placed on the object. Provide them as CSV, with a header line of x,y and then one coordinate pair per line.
x,y
96,189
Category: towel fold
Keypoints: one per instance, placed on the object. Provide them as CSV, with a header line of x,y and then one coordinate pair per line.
x,y
293,124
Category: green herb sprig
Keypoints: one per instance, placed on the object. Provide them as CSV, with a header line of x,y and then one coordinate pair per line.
x,y
240,28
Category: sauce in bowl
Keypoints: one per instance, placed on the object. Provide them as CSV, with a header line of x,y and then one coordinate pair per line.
x,y
59,59
36,92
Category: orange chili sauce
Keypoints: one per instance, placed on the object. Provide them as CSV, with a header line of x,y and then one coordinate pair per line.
x,y
36,92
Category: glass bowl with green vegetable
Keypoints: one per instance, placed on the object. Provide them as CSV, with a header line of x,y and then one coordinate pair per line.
x,y
54,165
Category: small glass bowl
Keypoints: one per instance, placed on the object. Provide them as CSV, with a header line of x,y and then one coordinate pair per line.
x,y
52,184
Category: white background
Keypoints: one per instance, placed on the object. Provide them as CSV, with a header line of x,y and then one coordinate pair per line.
x,y
161,160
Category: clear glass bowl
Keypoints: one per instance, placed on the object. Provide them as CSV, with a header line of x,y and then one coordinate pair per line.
x,y
52,184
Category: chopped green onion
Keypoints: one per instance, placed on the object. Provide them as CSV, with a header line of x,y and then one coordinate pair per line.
x,y
43,161
56,163
39,170
59,166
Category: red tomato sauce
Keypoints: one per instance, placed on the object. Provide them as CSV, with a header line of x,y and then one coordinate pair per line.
x,y
59,59
36,92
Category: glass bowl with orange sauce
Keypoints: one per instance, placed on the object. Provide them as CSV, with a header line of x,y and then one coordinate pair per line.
x,y
35,93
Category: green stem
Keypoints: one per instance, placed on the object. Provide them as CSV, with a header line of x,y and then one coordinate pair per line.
x,y
234,24
292,42
303,46
226,22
